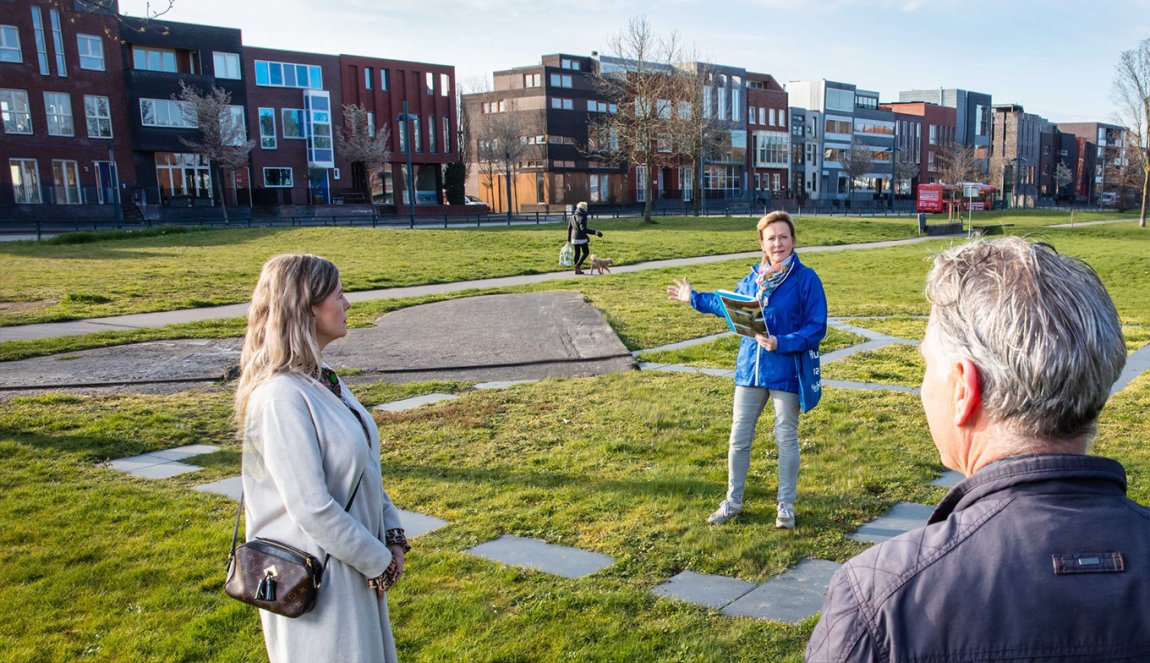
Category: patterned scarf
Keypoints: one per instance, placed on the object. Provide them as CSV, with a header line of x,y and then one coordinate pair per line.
x,y
771,276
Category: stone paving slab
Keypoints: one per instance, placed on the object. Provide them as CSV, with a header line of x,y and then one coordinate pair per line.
x,y
703,589
502,384
232,488
902,518
549,558
165,470
414,402
133,463
415,524
185,452
949,479
790,597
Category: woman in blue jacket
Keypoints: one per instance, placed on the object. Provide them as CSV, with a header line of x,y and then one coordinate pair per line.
x,y
781,368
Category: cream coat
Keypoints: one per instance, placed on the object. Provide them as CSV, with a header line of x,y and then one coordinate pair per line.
x,y
304,451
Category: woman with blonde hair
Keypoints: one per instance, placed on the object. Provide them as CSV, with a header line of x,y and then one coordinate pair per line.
x,y
579,235
311,469
780,368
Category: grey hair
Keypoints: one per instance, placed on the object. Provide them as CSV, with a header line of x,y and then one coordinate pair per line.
x,y
1039,326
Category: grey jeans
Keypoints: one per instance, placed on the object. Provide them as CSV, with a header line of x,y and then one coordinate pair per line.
x,y
749,404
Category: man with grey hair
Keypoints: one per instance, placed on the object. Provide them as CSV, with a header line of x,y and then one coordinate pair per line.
x,y
1037,554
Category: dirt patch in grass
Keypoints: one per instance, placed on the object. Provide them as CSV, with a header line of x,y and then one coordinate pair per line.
x,y
25,307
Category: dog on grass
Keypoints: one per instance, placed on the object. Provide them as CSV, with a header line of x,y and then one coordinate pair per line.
x,y
601,264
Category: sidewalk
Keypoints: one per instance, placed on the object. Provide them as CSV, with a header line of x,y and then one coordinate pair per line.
x,y
165,318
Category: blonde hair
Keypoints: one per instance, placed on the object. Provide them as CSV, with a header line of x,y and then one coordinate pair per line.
x,y
582,205
778,216
281,326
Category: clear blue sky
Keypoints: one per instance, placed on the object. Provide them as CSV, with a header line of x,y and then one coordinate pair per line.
x,y
1056,58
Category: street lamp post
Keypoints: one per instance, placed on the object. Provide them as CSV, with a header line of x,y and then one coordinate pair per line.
x,y
405,119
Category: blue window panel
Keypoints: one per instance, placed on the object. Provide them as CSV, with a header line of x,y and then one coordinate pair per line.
x,y
320,116
323,155
277,74
316,77
320,104
289,76
262,73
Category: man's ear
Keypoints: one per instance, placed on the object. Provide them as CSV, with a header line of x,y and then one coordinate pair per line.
x,y
967,392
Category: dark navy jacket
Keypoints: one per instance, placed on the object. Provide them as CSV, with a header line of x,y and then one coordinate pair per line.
x,y
796,314
1034,558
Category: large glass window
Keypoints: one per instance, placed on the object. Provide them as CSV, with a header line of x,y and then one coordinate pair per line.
x,y
431,133
183,174
840,100
226,65
429,82
58,42
234,128
288,74
267,128
10,44
368,75
292,121
25,181
91,52
166,113
58,107
561,80
444,85
278,178
383,80
98,113
154,59
41,42
446,135
66,177
15,111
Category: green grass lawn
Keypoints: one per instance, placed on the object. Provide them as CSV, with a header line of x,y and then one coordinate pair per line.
x,y
102,566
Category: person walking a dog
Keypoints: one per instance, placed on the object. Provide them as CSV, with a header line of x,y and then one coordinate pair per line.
x,y
781,368
577,234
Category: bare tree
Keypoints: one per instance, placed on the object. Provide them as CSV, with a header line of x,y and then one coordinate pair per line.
x,y
223,137
1124,174
642,131
361,143
905,169
694,127
501,143
856,161
957,164
1132,94
108,8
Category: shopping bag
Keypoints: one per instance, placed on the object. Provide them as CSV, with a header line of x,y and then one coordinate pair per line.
x,y
567,255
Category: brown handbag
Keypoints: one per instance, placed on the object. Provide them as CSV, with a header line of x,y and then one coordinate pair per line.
x,y
274,576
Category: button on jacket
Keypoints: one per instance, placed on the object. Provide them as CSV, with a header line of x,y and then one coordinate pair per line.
x,y
1033,558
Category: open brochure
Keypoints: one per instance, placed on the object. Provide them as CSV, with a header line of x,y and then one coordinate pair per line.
x,y
744,313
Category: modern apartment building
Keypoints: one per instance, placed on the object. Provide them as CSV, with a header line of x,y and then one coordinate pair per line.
x,y
972,116
1058,149
1016,153
66,139
842,119
923,130
1108,149
769,124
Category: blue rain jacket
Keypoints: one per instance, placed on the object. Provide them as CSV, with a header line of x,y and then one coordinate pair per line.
x,y
796,314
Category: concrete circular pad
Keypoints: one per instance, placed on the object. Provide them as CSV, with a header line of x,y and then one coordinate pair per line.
x,y
494,337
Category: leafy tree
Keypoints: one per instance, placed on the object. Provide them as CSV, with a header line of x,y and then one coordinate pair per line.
x,y
454,181
1132,94
222,135
361,143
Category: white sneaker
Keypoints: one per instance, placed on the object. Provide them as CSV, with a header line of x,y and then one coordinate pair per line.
x,y
785,518
724,513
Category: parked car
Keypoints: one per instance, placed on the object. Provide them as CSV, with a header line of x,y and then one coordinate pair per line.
x,y
473,200
1108,199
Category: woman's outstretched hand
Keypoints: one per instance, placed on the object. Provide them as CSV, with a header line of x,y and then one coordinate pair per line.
x,y
680,291
768,343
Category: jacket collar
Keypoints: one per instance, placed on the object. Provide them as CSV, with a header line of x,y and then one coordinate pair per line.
x,y
1029,470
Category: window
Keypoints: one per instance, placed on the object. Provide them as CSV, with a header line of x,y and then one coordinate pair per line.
x,y
368,74
431,133
371,123
782,116
429,82
570,64
166,113
288,74
444,85
233,129
98,113
416,135
58,41
532,80
277,178
154,59
494,106
66,176
292,121
91,52
10,44
267,128
226,65
837,126
933,139
840,100
383,80
561,80
15,112
446,135
183,174
25,181
41,44
562,104
58,107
